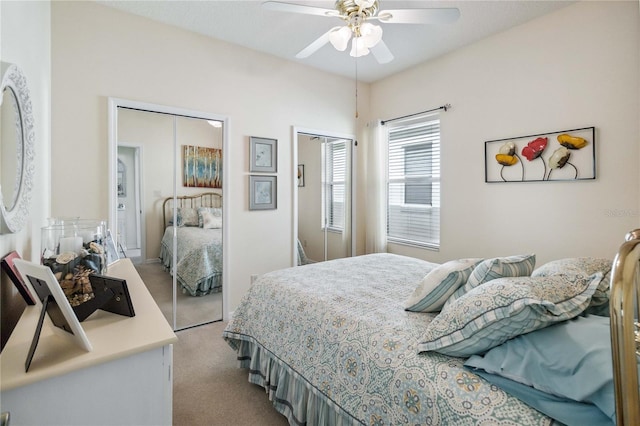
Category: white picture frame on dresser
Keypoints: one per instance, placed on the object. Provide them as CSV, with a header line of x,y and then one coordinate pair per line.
x,y
68,325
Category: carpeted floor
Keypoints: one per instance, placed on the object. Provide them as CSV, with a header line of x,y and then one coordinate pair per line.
x,y
190,310
208,387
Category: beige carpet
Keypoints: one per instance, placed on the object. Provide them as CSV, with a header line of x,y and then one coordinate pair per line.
x,y
208,387
190,310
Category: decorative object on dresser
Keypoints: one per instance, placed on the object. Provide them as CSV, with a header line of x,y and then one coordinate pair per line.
x,y
74,249
54,304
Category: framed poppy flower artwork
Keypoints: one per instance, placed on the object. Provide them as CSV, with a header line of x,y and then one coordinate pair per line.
x,y
556,156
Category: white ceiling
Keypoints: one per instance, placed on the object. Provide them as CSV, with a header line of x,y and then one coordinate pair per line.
x,y
246,23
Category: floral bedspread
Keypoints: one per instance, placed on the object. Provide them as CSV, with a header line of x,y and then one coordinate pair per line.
x,y
338,329
199,253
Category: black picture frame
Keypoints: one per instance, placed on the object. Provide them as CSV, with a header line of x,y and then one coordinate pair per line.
x,y
119,301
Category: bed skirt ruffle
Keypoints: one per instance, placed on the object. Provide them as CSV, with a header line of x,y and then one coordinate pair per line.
x,y
290,393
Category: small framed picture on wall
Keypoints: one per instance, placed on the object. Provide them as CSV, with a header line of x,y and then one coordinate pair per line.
x,y
263,154
262,192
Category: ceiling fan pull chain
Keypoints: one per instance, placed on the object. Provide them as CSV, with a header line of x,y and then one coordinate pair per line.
x,y
356,87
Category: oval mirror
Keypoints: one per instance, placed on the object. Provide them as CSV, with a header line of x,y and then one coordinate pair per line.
x,y
16,149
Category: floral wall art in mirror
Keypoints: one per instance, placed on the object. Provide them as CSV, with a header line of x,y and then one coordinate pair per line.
x,y
564,155
262,192
202,167
17,156
263,154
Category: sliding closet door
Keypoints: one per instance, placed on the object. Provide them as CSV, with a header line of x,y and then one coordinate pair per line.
x,y
151,149
199,138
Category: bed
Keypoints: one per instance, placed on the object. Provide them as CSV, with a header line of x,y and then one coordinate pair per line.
x,y
335,343
198,242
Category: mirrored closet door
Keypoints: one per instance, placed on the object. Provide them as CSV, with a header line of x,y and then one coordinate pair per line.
x,y
166,205
324,197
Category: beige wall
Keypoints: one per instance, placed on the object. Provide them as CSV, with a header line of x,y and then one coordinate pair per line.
x,y
25,41
542,76
98,52
574,68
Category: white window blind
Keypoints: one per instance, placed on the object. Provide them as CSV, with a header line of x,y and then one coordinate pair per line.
x,y
413,203
333,179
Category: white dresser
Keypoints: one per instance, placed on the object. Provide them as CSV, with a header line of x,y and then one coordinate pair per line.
x,y
126,379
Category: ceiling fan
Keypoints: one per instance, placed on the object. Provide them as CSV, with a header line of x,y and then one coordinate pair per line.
x,y
357,14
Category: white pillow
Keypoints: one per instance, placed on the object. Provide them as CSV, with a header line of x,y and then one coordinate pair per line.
x,y
439,284
210,221
216,211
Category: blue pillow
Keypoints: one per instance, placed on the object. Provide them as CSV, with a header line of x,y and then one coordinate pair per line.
x,y
564,410
570,360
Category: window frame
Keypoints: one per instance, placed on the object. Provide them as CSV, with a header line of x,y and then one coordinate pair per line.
x,y
329,183
422,130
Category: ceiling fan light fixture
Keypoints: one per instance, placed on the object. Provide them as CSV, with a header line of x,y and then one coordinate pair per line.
x,y
371,34
365,3
340,38
358,48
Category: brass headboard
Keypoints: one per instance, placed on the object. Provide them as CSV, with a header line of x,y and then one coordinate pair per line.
x,y
205,199
625,337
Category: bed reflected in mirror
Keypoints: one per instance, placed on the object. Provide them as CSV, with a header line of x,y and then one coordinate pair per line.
x,y
168,208
324,194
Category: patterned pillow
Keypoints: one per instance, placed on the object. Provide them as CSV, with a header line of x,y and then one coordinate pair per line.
x,y
438,285
497,267
504,308
209,221
187,216
216,211
586,265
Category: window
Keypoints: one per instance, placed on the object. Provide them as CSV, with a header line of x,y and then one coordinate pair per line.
x,y
413,187
418,163
333,179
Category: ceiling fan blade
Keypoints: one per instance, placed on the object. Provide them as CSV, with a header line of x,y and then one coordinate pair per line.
x,y
381,52
315,45
419,16
298,8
